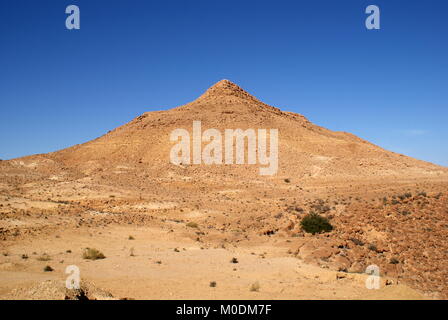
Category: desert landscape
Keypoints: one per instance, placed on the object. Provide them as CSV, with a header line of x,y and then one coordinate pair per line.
x,y
156,230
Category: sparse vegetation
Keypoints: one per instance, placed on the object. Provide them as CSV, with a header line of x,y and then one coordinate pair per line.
x,y
314,223
92,254
48,269
320,207
192,225
348,206
394,261
357,242
255,287
44,257
405,196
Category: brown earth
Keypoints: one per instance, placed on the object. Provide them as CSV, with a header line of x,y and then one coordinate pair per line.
x,y
189,221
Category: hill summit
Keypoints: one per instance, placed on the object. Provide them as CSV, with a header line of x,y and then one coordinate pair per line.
x,y
306,151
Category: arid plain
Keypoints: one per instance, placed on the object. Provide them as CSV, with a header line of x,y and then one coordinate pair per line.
x,y
223,231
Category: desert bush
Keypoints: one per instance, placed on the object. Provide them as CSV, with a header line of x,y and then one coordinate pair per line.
x,y
405,196
320,207
357,241
255,287
92,254
44,257
394,261
48,269
131,238
192,224
314,223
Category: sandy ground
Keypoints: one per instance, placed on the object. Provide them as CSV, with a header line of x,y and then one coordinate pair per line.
x,y
159,265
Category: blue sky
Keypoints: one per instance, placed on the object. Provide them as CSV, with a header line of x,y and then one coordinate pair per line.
x,y
62,87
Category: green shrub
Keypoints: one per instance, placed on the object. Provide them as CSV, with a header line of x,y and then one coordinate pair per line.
x,y
314,223
92,254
